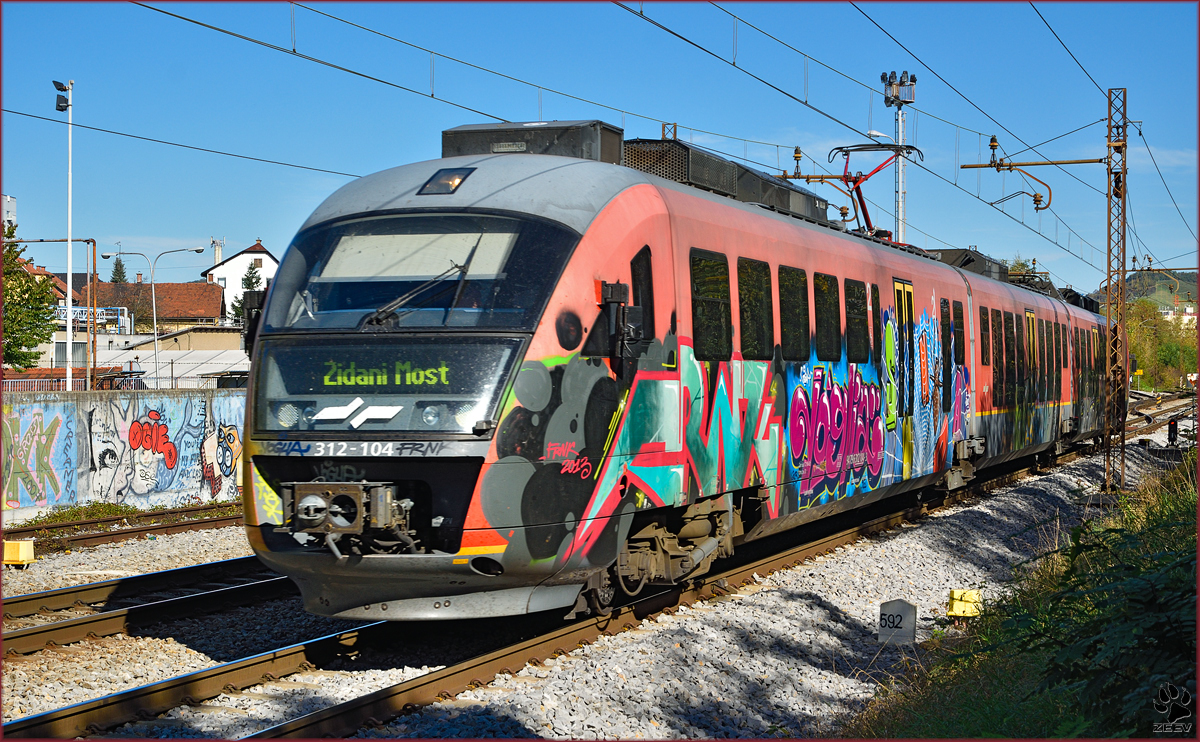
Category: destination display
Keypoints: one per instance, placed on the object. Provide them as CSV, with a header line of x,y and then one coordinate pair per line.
x,y
423,384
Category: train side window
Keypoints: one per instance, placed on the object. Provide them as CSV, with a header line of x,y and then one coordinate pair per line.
x,y
960,335
1059,357
997,359
643,289
711,313
1010,360
858,344
985,338
877,328
946,368
1063,328
1020,349
1041,336
793,314
829,317
755,310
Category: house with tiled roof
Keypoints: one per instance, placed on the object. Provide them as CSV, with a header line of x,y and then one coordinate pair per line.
x,y
180,305
228,273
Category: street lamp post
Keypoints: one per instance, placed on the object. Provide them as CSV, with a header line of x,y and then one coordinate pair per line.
x,y
64,104
153,295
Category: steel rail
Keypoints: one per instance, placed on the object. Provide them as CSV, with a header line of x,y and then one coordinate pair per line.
x,y
148,701
16,606
50,527
372,709
108,537
106,623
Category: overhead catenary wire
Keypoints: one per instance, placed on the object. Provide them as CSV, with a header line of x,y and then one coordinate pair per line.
x,y
964,97
184,146
1064,46
836,120
1164,181
650,20
834,70
319,61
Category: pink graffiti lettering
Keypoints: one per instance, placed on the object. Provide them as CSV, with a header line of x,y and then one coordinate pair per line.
x,y
580,466
152,436
560,450
836,430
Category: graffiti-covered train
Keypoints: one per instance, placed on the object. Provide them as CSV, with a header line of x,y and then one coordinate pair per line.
x,y
510,381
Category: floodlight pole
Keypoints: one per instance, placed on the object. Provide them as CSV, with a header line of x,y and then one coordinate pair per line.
x,y
899,93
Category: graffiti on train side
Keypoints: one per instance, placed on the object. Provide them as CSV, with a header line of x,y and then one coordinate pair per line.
x,y
836,433
583,443
139,448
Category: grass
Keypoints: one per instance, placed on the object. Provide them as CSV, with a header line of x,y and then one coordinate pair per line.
x,y
50,540
1080,644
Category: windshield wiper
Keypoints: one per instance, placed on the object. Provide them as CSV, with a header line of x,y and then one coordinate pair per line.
x,y
390,308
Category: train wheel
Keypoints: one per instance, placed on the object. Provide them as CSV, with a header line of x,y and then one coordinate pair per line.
x,y
600,598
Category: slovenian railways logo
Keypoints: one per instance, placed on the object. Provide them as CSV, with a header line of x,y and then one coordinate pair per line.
x,y
1174,703
374,412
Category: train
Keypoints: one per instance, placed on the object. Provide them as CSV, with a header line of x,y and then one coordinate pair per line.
x,y
556,366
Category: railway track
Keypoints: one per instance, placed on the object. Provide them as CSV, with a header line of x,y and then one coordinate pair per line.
x,y
59,617
146,702
67,534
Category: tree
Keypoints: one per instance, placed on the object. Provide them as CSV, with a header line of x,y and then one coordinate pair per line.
x,y
118,271
251,281
29,304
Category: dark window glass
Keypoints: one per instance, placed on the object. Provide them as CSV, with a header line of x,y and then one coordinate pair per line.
x,y
711,315
997,359
1061,330
755,310
643,289
465,271
877,328
985,338
960,335
858,345
1059,358
946,367
1010,360
1041,356
829,317
1020,348
793,314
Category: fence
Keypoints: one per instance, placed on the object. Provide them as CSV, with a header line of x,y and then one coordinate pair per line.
x,y
132,382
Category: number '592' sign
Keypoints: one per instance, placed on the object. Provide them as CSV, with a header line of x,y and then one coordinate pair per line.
x,y
897,622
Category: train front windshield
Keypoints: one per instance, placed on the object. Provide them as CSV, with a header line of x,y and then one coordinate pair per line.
x,y
465,271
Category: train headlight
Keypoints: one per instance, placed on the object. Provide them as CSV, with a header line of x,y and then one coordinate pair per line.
x,y
287,415
432,416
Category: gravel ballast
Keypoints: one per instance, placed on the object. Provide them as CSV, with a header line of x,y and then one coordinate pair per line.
x,y
126,558
788,655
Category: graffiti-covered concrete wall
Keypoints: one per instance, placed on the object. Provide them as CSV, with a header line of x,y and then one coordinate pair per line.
x,y
142,448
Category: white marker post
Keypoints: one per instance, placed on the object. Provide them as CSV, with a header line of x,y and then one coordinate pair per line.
x,y
897,622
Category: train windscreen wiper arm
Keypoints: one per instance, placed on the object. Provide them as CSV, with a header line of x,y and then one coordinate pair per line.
x,y
390,308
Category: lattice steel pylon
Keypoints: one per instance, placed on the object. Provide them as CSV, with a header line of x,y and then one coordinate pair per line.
x,y
1117,393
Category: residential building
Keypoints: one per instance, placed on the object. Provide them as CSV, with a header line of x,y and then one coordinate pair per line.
x,y
228,273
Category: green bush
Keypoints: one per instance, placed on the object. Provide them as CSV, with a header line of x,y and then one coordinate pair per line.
x,y
1121,620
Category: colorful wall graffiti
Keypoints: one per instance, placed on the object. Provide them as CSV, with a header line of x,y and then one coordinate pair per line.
x,y
140,448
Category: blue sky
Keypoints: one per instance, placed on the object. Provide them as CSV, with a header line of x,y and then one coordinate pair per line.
x,y
141,72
